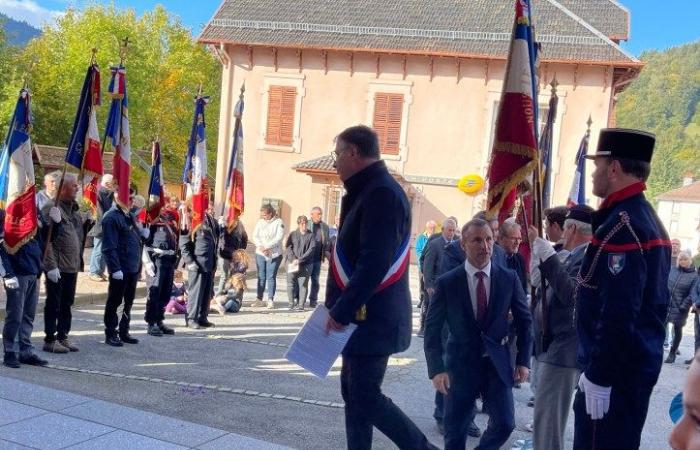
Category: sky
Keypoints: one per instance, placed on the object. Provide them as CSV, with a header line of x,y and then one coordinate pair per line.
x,y
655,25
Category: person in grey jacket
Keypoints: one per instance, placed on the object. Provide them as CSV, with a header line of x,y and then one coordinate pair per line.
x,y
681,282
299,251
199,254
61,265
556,342
121,248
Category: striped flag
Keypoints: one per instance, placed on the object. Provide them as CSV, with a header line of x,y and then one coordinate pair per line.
x,y
547,137
514,153
156,193
194,175
84,152
577,194
17,191
234,179
118,130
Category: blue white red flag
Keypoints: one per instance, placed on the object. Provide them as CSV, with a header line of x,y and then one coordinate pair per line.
x,y
195,172
234,180
84,151
514,154
546,140
17,191
577,194
118,130
156,193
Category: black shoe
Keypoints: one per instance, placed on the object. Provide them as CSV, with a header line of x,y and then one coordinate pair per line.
x,y
312,305
10,360
165,329
194,326
473,430
205,324
32,360
154,330
678,352
127,339
114,341
440,427
688,361
671,358
420,333
531,402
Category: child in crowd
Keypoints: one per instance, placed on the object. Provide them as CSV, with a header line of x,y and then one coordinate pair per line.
x,y
231,298
178,295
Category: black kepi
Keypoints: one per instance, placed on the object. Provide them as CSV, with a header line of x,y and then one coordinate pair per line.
x,y
625,143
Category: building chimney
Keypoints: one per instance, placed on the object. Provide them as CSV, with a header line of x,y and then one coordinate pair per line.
x,y
687,178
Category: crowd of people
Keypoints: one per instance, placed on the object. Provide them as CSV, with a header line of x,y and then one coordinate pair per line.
x,y
584,314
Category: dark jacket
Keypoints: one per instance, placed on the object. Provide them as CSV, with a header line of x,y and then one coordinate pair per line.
x,y
121,241
515,262
300,247
162,236
561,289
375,220
105,200
321,234
681,283
454,256
64,252
623,293
201,248
467,342
431,263
233,240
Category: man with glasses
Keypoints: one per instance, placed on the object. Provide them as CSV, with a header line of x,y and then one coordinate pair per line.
x,y
509,238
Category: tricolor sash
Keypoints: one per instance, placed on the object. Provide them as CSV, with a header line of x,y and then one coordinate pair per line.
x,y
342,269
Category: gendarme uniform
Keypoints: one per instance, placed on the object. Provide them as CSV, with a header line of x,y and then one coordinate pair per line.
x,y
160,256
621,304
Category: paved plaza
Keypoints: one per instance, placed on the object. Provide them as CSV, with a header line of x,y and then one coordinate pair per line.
x,y
225,387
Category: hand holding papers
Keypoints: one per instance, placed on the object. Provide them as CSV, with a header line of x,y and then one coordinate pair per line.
x,y
313,348
293,267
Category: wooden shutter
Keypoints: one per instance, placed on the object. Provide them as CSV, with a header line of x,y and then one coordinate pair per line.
x,y
388,111
280,115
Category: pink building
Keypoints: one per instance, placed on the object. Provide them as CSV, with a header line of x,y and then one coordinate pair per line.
x,y
426,75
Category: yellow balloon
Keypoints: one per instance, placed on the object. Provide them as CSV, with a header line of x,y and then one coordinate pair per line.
x,y
470,184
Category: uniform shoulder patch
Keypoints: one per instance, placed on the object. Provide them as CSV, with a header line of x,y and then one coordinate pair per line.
x,y
616,262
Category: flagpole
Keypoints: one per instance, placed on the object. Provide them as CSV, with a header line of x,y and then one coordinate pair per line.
x,y
234,153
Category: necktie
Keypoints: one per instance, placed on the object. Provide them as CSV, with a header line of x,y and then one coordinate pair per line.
x,y
481,302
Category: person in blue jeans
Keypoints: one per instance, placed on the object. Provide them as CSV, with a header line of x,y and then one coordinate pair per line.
x,y
105,198
268,235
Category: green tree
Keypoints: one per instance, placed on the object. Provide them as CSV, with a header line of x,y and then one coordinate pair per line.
x,y
164,67
665,100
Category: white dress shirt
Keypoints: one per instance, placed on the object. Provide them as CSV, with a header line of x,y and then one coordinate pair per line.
x,y
472,280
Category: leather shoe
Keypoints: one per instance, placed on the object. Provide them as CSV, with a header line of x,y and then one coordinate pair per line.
x,y
473,430
10,360
165,329
194,326
205,324
154,330
33,360
114,341
127,339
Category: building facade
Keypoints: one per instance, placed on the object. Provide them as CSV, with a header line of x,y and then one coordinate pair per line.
x,y
679,210
427,76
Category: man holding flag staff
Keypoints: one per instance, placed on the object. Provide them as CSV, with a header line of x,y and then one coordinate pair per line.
x,y
622,298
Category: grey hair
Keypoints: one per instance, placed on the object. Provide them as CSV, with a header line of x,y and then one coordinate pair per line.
x,y
139,201
506,226
447,222
685,253
581,227
55,176
70,176
317,208
430,223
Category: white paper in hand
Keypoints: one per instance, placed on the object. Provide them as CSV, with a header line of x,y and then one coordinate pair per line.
x,y
293,267
313,349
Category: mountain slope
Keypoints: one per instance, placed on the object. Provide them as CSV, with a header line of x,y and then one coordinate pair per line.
x,y
18,33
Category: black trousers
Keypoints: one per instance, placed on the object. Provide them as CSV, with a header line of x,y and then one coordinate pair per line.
x,y
677,336
57,310
367,407
621,427
200,291
159,288
118,291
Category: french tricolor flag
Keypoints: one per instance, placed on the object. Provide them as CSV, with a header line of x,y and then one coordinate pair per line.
x,y
577,194
118,130
195,172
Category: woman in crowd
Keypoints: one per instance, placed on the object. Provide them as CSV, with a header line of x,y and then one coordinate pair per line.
x,y
268,235
681,282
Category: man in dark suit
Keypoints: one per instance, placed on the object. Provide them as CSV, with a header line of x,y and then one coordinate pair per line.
x,y
474,300
431,264
510,237
368,285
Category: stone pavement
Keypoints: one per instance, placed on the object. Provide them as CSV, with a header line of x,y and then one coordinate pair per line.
x,y
234,378
32,416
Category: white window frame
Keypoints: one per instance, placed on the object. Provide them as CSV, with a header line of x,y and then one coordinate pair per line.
x,y
392,87
281,79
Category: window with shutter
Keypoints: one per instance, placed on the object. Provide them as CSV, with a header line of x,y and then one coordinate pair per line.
x,y
388,112
280,115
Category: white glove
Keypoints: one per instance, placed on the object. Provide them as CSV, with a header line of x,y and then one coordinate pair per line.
x,y
55,214
145,232
597,397
542,250
11,283
159,251
222,222
53,275
150,269
118,275
192,267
